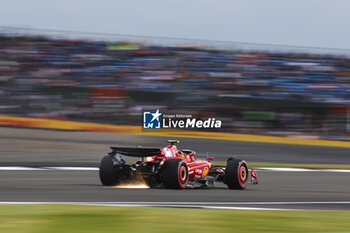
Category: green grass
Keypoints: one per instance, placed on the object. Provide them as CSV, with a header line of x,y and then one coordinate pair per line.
x,y
75,218
311,166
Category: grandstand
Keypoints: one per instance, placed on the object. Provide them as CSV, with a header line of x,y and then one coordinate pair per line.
x,y
262,89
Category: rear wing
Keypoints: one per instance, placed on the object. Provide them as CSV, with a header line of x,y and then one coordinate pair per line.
x,y
136,152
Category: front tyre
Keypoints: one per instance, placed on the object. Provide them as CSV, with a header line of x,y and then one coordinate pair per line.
x,y
236,173
108,175
175,174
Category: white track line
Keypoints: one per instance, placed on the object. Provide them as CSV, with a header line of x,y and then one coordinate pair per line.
x,y
239,203
18,168
182,203
274,169
287,169
195,206
202,205
291,169
337,170
73,168
144,205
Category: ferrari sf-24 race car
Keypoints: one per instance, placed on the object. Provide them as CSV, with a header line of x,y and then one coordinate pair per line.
x,y
173,169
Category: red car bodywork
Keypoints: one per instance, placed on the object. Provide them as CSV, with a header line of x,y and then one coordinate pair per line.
x,y
197,168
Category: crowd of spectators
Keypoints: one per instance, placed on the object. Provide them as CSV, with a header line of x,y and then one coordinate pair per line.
x,y
111,82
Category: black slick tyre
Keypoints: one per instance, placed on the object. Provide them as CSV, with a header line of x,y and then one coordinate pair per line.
x,y
107,171
236,173
175,174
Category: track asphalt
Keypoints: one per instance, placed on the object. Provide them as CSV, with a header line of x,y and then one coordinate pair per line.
x,y
290,190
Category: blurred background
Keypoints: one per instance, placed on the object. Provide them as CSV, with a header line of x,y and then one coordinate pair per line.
x,y
262,67
107,78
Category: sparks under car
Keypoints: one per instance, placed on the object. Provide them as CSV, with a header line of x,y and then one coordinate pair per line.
x,y
171,168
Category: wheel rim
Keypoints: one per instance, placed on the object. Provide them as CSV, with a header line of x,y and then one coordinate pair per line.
x,y
243,174
183,174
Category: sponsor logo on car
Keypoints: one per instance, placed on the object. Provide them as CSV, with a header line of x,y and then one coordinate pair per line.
x,y
199,171
205,172
167,152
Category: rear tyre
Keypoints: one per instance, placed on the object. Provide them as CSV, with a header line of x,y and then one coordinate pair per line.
x,y
108,174
175,174
236,173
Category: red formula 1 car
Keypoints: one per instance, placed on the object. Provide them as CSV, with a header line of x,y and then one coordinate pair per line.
x,y
173,169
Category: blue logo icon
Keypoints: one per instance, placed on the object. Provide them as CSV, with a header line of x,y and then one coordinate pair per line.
x,y
151,120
